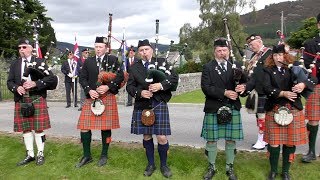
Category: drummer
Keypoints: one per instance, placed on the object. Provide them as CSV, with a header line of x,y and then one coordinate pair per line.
x,y
103,94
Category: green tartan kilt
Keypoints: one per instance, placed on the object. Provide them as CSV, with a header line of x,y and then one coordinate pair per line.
x,y
212,131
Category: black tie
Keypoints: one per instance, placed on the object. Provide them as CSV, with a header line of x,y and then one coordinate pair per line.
x,y
25,65
222,67
282,70
146,64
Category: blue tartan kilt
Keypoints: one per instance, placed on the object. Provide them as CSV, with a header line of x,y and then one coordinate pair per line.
x,y
261,102
212,131
161,125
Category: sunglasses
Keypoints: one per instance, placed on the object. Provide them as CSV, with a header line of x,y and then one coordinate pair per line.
x,y
22,47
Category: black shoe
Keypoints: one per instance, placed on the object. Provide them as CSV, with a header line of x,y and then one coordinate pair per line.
x,y
40,159
102,161
309,157
272,176
68,106
165,170
76,106
26,160
230,173
84,160
149,170
80,109
128,104
285,176
211,172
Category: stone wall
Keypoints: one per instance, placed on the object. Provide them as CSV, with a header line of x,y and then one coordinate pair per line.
x,y
187,83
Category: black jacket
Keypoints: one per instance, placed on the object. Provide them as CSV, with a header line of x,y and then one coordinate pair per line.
x,y
214,85
90,70
137,83
275,82
65,69
49,82
312,47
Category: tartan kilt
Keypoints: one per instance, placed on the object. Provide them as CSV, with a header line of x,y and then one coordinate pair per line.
x,y
293,134
261,102
108,120
312,110
162,121
38,122
212,131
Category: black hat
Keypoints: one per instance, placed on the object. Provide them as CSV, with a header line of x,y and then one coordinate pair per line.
x,y
24,41
221,42
85,49
318,18
278,49
252,37
132,49
144,43
101,40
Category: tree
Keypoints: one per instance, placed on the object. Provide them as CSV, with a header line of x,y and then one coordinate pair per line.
x,y
16,18
212,12
308,30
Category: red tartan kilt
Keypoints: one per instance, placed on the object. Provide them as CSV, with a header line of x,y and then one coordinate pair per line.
x,y
109,119
293,134
38,122
313,105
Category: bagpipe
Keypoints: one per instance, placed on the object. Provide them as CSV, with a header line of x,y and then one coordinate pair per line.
x,y
39,69
238,73
106,75
156,72
300,73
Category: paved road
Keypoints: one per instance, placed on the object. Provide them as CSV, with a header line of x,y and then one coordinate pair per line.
x,y
186,123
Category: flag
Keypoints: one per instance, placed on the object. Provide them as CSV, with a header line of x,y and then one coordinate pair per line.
x,y
76,51
124,51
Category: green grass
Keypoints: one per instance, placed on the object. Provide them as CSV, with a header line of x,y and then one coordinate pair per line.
x,y
127,161
196,96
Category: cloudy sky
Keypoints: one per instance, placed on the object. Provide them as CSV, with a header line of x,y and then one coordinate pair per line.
x,y
88,19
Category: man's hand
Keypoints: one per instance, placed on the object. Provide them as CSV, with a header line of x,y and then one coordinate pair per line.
x,y
93,94
70,75
29,84
290,95
231,94
146,94
21,90
240,88
102,89
155,87
298,88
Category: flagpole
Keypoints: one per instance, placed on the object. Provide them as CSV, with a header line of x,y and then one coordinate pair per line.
x,y
74,74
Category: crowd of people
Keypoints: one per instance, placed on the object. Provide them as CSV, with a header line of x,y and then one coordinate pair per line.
x,y
271,80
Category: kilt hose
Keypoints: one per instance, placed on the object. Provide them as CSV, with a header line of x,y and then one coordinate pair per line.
x,y
162,121
38,122
212,131
108,120
312,110
293,134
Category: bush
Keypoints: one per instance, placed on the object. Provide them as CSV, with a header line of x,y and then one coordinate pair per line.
x,y
190,67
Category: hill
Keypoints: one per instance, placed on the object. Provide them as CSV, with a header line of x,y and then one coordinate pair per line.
x,y
267,21
63,45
